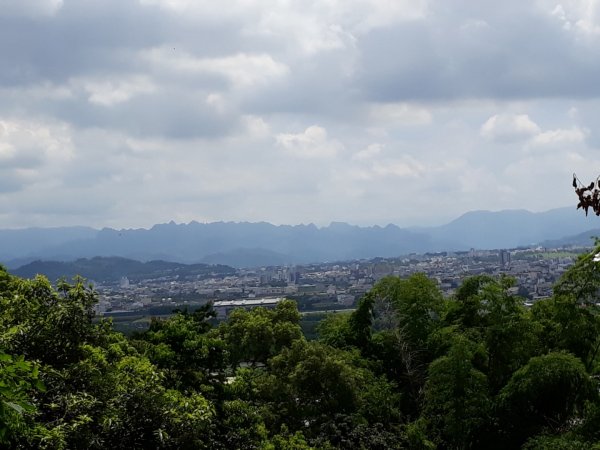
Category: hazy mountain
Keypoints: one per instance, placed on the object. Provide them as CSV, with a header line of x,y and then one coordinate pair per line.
x,y
512,228
585,239
252,244
197,242
112,269
249,257
29,241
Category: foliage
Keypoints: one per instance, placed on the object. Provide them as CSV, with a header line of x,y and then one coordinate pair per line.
x,y
17,379
191,355
457,403
546,394
334,330
256,335
407,369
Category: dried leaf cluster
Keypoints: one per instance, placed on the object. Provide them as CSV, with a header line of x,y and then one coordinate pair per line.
x,y
589,196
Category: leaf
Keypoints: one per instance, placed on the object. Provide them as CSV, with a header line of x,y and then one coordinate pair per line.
x,y
20,408
40,386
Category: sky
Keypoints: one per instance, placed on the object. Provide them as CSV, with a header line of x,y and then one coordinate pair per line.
x,y
126,113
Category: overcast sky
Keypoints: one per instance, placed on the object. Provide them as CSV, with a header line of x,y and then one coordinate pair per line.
x,y
127,113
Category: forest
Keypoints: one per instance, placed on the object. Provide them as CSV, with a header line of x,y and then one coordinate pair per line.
x,y
408,369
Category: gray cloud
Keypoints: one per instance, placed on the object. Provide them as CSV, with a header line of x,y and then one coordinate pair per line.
x,y
521,55
128,113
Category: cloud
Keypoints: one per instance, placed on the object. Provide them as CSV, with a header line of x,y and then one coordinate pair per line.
x,y
404,168
488,53
242,70
312,143
507,128
400,114
30,8
360,110
27,149
109,92
576,16
24,144
560,137
368,153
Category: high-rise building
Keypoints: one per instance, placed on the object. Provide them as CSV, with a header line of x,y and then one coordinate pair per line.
x,y
504,257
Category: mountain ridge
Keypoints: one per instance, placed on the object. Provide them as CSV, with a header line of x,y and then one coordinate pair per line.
x,y
243,244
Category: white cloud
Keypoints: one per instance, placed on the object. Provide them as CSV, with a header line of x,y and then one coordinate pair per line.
x,y
242,69
560,137
311,143
32,153
112,91
407,167
508,128
578,15
256,127
217,101
397,114
370,152
20,138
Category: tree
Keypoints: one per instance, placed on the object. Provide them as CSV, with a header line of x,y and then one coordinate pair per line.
x,y
565,325
335,330
256,335
309,383
548,393
417,303
193,356
45,324
18,379
457,404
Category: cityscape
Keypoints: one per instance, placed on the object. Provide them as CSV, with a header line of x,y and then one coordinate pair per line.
x,y
337,285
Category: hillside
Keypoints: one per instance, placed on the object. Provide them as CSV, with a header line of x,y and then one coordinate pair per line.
x,y
111,269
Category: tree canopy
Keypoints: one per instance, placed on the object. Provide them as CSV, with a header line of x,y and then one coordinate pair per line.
x,y
407,369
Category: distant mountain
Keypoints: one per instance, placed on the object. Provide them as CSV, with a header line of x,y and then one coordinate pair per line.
x,y
585,239
235,242
256,244
29,241
249,257
512,228
102,269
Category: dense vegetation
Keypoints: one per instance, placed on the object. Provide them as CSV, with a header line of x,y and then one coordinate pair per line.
x,y
111,269
407,369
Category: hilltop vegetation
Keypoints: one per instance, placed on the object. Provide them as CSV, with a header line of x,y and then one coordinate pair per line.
x,y
407,369
111,269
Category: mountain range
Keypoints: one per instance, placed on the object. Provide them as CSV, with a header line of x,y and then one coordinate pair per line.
x,y
244,244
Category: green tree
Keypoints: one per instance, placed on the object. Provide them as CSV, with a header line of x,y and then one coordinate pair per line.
x,y
548,393
310,383
18,381
335,330
417,303
192,355
256,335
457,405
565,325
45,324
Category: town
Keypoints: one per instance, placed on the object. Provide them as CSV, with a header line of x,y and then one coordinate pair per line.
x,y
335,286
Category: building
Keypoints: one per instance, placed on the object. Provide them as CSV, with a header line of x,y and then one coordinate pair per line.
x,y
224,307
